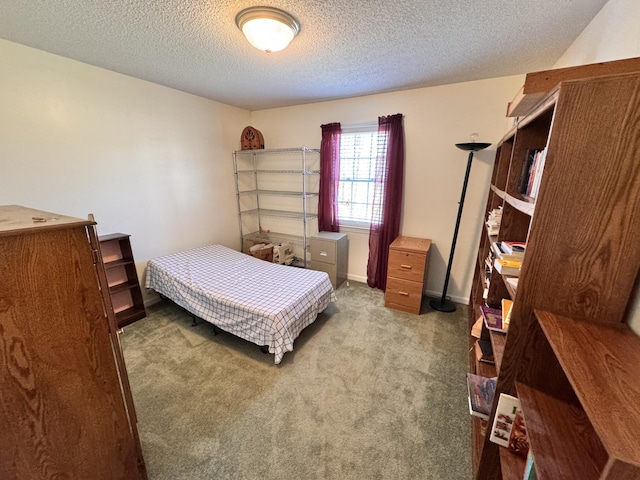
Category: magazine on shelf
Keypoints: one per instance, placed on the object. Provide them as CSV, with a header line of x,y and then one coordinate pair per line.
x,y
508,429
492,318
481,392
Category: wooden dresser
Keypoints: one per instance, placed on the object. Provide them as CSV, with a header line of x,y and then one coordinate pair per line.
x,y
406,273
66,409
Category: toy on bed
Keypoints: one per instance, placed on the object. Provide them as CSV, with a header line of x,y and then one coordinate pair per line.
x,y
262,302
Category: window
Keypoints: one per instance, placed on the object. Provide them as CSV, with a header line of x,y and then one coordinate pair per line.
x,y
358,152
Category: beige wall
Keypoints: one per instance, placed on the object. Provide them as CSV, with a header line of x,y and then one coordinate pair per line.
x,y
613,34
434,119
156,163
144,159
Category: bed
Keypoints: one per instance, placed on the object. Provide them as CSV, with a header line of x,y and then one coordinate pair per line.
x,y
262,302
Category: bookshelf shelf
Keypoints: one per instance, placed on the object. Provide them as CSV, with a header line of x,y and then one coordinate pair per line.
x,y
498,341
577,380
512,465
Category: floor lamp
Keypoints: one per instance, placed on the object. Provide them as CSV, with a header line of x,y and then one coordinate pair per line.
x,y
442,304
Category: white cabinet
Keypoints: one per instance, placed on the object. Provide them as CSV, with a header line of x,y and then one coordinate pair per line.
x,y
277,195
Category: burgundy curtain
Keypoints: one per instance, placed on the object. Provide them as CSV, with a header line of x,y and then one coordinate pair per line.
x,y
329,178
387,198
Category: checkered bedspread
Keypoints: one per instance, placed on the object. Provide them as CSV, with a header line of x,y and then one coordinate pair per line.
x,y
262,302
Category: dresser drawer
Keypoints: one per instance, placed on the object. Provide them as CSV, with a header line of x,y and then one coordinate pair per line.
x,y
406,265
403,295
323,250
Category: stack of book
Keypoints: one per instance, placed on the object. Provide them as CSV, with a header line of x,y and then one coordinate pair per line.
x,y
514,249
493,221
507,267
508,257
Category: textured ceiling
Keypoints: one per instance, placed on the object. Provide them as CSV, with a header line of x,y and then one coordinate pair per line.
x,y
345,48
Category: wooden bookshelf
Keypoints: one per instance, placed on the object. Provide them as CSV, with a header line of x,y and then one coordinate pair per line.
x,y
581,262
589,356
122,278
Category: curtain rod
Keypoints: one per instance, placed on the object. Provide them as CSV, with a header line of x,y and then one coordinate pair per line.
x,y
360,126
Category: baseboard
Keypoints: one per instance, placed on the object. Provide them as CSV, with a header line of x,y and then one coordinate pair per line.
x,y
152,301
428,293
453,298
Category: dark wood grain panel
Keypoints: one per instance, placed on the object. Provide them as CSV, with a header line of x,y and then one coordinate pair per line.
x,y
545,80
503,159
498,341
601,361
511,465
587,249
563,439
61,407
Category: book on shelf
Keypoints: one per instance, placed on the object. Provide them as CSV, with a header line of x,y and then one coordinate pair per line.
x,y
481,392
532,172
476,329
513,281
492,318
513,248
507,267
526,171
507,304
484,351
493,229
493,221
508,429
498,250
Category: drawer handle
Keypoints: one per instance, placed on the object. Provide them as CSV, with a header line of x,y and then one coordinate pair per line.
x,y
324,254
409,267
405,294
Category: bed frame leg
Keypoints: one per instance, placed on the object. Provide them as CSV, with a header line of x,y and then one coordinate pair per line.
x,y
264,348
216,330
194,322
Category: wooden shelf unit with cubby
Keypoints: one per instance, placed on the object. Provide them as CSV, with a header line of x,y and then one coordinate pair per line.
x,y
122,278
563,351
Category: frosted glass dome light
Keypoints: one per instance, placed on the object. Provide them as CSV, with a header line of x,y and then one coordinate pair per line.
x,y
266,28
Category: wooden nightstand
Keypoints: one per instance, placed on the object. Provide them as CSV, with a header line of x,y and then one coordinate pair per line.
x,y
406,273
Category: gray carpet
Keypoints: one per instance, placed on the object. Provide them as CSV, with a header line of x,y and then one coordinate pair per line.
x,y
368,393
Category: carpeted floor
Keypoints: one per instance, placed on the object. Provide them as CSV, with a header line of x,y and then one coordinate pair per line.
x,y
368,393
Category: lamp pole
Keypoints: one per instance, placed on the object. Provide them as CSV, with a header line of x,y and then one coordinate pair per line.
x,y
442,304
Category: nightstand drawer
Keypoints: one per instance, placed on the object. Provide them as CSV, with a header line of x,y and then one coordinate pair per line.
x,y
406,265
323,251
403,295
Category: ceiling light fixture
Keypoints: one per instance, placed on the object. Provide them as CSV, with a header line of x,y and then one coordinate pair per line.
x,y
266,28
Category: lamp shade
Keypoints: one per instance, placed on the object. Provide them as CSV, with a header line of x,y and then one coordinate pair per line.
x,y
266,28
